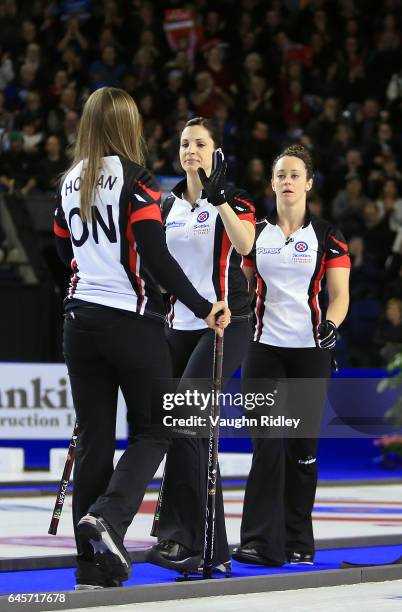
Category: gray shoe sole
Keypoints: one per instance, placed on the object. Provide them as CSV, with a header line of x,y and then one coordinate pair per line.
x,y
96,532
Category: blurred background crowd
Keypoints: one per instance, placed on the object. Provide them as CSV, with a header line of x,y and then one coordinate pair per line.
x,y
325,73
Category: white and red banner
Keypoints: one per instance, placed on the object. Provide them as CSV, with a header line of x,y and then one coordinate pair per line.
x,y
36,403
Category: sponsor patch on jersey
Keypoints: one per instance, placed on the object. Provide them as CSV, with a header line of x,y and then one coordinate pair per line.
x,y
301,247
201,230
172,224
301,258
203,216
268,251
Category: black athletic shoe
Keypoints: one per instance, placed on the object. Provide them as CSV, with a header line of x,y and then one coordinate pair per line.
x,y
296,558
96,531
246,554
90,575
173,555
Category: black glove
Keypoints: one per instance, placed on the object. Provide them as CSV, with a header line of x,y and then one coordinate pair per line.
x,y
214,185
327,335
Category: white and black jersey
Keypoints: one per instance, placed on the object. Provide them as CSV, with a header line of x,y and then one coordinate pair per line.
x,y
290,272
118,260
196,237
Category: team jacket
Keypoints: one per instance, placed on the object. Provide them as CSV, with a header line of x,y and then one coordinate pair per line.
x,y
197,239
119,261
290,274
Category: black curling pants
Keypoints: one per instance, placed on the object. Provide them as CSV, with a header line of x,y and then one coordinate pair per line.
x,y
281,486
182,516
106,349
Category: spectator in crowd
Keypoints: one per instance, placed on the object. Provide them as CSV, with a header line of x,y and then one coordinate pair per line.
x,y
106,72
258,143
173,89
219,70
51,166
322,127
347,207
28,33
327,74
33,112
255,182
6,123
393,288
68,102
181,111
54,89
32,137
390,204
365,280
383,145
17,167
314,204
73,36
378,234
68,134
387,339
6,69
17,90
206,97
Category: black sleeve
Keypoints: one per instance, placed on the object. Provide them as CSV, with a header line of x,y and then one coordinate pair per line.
x,y
242,204
64,250
151,244
62,234
167,207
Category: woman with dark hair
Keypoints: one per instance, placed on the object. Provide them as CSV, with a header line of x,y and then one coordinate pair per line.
x,y
290,347
108,223
209,226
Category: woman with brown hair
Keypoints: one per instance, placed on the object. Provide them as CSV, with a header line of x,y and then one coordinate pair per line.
x,y
108,222
294,254
209,226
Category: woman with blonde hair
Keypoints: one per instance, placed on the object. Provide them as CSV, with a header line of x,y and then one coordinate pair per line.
x,y
108,223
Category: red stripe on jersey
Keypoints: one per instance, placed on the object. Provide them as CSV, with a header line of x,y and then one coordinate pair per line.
x,y
247,217
316,289
60,232
155,195
133,261
339,262
171,311
73,285
243,201
259,308
224,265
247,262
148,213
341,244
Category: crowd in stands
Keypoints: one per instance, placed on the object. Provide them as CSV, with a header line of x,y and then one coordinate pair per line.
x,y
325,73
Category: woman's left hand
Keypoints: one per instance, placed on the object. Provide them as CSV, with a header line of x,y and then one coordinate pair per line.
x,y
214,185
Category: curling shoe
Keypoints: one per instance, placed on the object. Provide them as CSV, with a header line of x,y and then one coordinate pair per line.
x,y
295,558
94,530
173,555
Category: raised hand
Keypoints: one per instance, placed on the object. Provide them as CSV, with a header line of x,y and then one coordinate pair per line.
x,y
214,184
